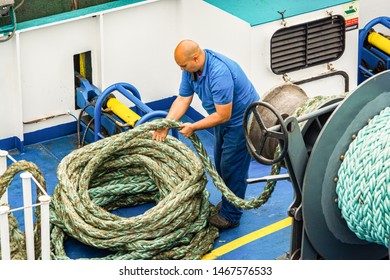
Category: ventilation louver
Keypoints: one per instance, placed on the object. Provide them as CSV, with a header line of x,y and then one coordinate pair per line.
x,y
307,44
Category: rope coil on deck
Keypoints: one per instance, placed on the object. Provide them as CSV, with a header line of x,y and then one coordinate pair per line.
x,y
130,169
114,172
363,186
17,238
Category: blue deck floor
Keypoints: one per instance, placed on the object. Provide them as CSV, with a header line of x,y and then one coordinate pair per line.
x,y
254,239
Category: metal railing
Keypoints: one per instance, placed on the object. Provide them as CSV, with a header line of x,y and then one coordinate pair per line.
x,y
28,206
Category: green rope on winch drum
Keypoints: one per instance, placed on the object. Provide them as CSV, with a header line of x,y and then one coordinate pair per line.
x,y
363,186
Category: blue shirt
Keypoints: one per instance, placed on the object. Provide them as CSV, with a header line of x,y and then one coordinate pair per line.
x,y
222,81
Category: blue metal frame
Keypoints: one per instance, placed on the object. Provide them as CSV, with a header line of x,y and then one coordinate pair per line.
x,y
86,93
131,93
385,21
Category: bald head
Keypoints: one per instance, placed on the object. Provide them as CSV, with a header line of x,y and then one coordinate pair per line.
x,y
187,49
189,56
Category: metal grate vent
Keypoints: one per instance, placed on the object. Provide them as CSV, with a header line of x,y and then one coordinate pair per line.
x,y
307,44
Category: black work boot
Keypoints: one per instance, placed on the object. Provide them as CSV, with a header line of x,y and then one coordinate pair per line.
x,y
221,223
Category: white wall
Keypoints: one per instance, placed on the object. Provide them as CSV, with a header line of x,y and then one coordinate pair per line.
x,y
135,44
250,46
214,29
372,9
46,57
129,44
138,49
10,99
265,79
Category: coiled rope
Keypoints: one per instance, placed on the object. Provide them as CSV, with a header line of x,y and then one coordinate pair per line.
x,y
363,185
17,238
130,169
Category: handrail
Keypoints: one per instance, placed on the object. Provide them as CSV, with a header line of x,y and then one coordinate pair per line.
x,y
28,206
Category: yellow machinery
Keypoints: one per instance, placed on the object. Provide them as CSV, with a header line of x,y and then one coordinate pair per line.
x,y
374,49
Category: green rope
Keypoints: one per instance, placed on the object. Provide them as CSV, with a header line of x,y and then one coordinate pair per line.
x,y
129,169
17,238
312,104
364,179
115,172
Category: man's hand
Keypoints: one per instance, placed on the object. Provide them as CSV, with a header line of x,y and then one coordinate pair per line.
x,y
160,134
187,129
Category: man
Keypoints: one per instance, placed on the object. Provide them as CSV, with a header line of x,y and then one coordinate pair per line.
x,y
225,92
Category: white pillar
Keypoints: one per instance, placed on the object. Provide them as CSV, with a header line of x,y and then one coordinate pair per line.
x,y
45,226
28,215
4,233
3,168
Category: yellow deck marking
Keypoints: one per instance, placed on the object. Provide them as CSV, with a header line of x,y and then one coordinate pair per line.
x,y
247,239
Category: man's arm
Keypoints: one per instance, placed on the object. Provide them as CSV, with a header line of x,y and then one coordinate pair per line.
x,y
222,115
178,108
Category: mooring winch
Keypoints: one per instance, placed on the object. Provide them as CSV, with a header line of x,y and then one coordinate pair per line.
x,y
102,114
322,225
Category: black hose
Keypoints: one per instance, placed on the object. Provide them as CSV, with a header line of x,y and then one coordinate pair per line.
x,y
86,131
78,122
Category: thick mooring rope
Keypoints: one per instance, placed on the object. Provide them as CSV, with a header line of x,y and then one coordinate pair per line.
x,y
125,170
363,186
17,238
130,169
312,104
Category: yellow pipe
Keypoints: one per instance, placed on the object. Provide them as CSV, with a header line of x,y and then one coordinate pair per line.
x,y
82,65
123,112
379,41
